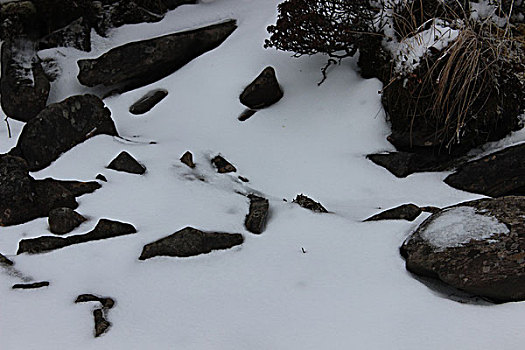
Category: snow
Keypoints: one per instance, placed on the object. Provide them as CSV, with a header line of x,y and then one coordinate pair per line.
x,y
460,225
349,290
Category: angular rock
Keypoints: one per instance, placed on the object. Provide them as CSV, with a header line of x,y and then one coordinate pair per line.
x,y
476,246
125,162
77,34
222,165
402,164
24,87
309,204
60,127
187,158
101,324
106,302
148,101
246,114
64,220
31,285
499,174
5,261
105,229
256,219
404,212
189,242
143,62
264,91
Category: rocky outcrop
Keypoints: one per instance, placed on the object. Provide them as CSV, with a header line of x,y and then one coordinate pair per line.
x,y
222,165
264,91
256,219
143,62
148,101
64,220
189,242
309,204
476,246
105,229
24,88
61,126
407,212
126,163
498,174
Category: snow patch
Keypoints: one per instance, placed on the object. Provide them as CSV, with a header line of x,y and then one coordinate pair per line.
x,y
460,225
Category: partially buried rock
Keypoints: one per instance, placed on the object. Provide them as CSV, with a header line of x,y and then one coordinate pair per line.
x,y
404,212
189,242
148,101
106,302
402,164
498,174
5,261
256,219
222,165
105,229
34,285
246,114
101,324
60,127
264,91
77,34
309,204
476,246
187,158
125,162
64,220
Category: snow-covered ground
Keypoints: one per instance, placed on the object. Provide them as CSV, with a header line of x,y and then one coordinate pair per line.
x,y
350,290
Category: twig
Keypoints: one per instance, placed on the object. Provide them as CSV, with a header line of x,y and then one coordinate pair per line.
x,y
8,127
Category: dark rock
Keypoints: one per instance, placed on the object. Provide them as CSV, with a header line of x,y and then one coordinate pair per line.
x,y
143,62
31,285
79,188
264,91
105,229
106,302
430,209
125,162
101,178
17,19
222,165
64,220
189,242
77,34
243,179
498,174
404,212
148,101
256,219
309,204
187,158
172,4
476,246
5,261
56,14
60,127
101,324
23,85
51,194
402,164
247,114
118,13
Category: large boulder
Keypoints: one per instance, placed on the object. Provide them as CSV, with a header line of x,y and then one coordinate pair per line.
x,y
24,88
143,62
264,91
61,126
476,246
498,174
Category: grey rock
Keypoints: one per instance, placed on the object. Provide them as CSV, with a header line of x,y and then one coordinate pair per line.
x,y
189,242
404,212
264,91
64,220
125,162
257,215
148,101
309,204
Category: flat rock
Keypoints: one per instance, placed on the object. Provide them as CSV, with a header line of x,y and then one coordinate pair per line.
x,y
24,86
402,164
256,219
148,101
222,165
34,285
143,62
64,220
404,212
309,204
60,127
476,246
189,242
105,229
125,162
499,174
264,91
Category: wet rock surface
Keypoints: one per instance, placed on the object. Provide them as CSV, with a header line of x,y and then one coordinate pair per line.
x,y
222,165
126,163
64,220
60,127
143,62
255,221
407,212
103,230
34,285
481,252
190,242
309,204
499,174
264,91
148,101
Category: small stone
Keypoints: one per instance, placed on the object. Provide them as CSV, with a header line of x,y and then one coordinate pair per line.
x,y
256,219
101,178
243,179
309,204
5,261
222,165
187,158
246,114
101,324
404,212
31,285
125,162
148,101
64,220
106,302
